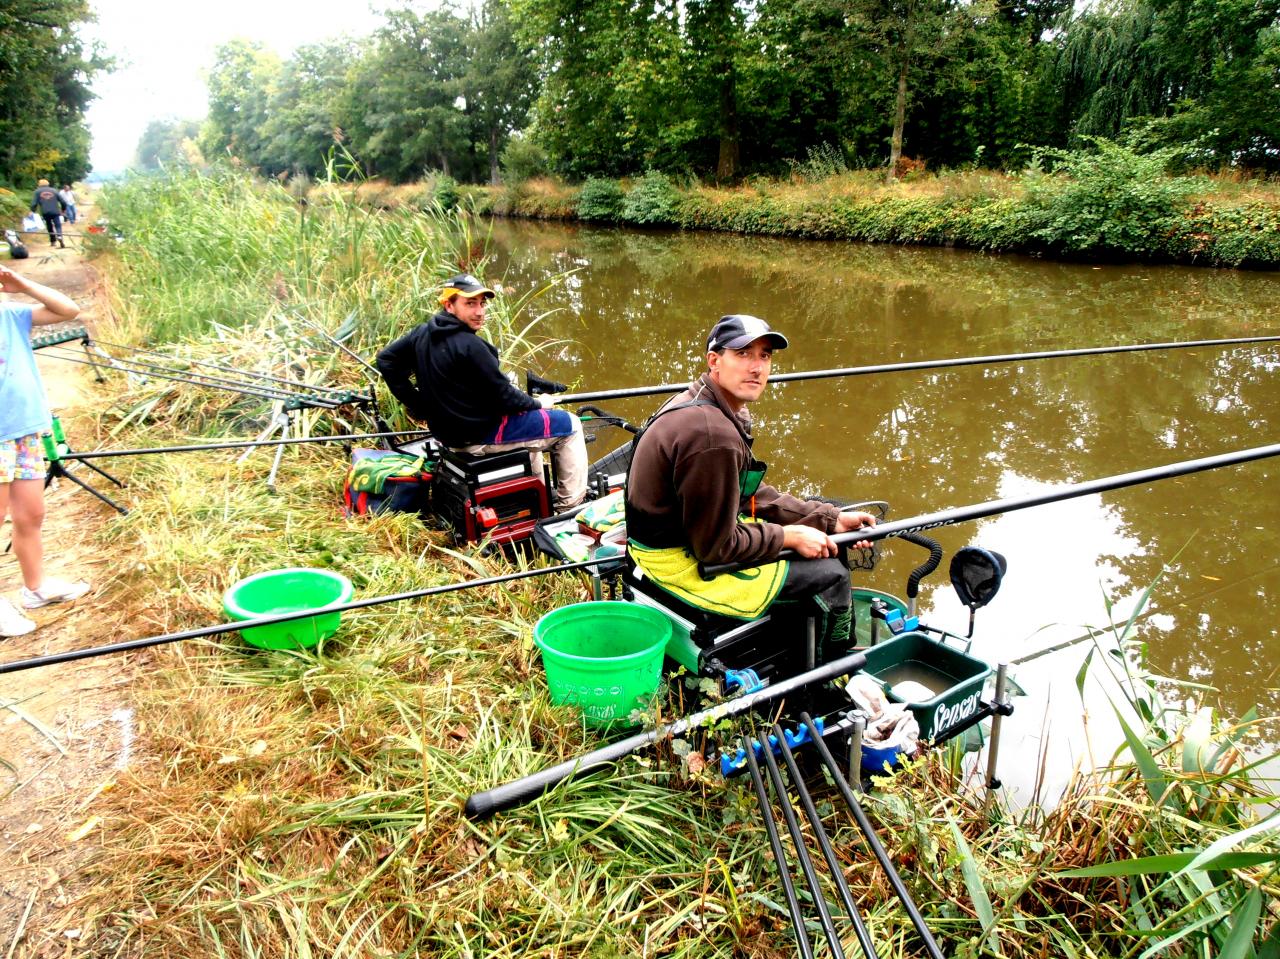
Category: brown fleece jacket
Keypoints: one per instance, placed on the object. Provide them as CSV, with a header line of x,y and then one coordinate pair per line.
x,y
683,487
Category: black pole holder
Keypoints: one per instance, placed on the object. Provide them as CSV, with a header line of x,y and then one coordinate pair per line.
x,y
56,470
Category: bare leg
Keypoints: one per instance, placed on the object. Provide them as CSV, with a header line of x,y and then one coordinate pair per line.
x,y
24,501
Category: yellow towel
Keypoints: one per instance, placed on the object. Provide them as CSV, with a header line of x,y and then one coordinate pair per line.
x,y
745,594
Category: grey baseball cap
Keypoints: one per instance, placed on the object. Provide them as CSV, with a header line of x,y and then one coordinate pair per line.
x,y
736,331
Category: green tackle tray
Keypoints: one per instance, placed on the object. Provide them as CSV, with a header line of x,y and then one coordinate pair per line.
x,y
955,677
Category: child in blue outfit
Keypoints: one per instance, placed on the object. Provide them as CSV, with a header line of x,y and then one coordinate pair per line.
x,y
24,415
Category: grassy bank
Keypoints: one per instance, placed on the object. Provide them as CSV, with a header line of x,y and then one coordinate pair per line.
x,y
295,805
1110,205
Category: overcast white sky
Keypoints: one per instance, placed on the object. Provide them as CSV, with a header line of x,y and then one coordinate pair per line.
x,y
164,50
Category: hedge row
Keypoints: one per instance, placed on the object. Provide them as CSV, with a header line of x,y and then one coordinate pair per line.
x,y
1164,220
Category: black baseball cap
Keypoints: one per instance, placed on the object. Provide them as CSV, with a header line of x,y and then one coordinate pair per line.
x,y
464,284
736,331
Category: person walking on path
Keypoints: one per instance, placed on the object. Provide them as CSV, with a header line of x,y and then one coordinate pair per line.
x,y
50,205
69,201
24,416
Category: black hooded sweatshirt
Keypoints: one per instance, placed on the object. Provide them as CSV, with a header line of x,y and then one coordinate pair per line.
x,y
443,373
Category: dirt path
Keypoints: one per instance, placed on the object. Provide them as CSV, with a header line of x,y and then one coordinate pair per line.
x,y
65,731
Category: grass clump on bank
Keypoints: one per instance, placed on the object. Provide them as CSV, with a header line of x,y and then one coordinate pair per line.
x,y
1108,203
309,804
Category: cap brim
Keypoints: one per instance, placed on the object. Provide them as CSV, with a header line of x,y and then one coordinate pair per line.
x,y
451,291
776,340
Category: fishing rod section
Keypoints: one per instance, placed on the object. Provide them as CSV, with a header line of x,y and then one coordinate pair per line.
x,y
929,365
75,655
964,514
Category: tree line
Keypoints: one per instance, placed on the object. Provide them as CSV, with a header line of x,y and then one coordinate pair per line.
x,y
721,89
45,77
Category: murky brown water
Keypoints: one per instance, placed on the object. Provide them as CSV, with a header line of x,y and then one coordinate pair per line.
x,y
638,307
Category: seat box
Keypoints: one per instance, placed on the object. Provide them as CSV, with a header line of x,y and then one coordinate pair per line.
x,y
496,496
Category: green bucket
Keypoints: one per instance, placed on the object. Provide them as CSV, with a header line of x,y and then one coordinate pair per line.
x,y
281,591
603,657
862,614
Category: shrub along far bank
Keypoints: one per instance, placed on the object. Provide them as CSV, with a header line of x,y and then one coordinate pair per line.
x,y
1097,207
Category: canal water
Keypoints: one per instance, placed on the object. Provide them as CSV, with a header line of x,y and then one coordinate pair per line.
x,y
635,309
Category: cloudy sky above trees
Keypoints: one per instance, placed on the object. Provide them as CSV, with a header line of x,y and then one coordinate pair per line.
x,y
164,50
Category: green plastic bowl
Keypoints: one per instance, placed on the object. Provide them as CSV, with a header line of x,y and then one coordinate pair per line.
x,y
281,591
604,657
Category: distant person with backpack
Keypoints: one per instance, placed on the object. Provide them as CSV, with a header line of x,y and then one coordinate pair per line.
x,y
68,201
24,416
50,206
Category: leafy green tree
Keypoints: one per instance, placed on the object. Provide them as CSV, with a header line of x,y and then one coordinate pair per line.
x,y
613,98
910,40
45,73
404,109
241,85
302,124
165,143
500,81
1179,71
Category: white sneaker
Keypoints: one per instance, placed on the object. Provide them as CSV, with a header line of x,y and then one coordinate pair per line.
x,y
52,591
12,622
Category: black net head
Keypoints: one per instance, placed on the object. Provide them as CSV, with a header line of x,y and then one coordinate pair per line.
x,y
976,574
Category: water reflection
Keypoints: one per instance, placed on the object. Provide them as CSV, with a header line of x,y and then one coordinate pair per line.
x,y
640,304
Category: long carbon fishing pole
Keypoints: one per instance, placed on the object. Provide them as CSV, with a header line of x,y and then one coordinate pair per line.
x,y
964,514
141,369
824,843
77,654
924,365
802,851
779,857
263,388
241,444
873,841
484,804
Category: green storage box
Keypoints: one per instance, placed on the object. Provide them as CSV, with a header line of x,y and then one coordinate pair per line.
x,y
954,678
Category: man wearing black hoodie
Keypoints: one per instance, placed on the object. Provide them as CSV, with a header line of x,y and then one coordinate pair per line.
x,y
442,372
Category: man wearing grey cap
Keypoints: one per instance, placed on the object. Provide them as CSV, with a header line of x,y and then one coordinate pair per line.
x,y
695,497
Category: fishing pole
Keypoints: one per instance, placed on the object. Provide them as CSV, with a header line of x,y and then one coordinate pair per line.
x,y
265,393
924,365
779,858
964,514
873,841
824,843
263,388
144,643
802,851
242,444
251,376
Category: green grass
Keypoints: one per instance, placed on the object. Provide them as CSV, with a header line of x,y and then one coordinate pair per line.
x,y
309,804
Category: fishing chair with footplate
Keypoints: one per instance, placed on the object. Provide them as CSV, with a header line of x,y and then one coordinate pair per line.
x,y
802,753
499,498
737,652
